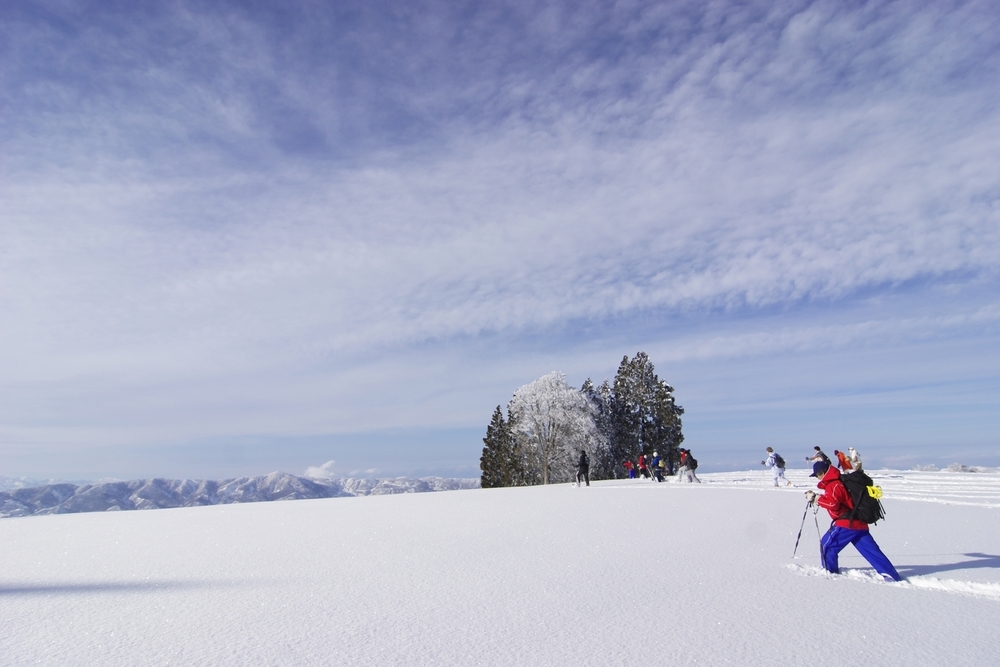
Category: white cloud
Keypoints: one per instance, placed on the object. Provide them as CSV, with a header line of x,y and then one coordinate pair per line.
x,y
325,471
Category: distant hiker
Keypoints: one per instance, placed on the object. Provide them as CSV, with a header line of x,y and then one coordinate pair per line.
x,y
628,465
777,466
583,468
844,462
643,470
855,458
818,455
845,530
688,466
657,467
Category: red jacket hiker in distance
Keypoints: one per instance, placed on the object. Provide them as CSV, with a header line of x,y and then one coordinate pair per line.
x,y
837,501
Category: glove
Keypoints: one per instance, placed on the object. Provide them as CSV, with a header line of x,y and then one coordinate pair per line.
x,y
810,497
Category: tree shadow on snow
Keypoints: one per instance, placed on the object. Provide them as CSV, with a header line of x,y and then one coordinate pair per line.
x,y
981,560
112,587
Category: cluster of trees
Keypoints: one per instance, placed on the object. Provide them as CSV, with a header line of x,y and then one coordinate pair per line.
x,y
548,422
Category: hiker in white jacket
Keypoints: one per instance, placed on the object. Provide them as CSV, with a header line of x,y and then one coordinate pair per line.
x,y
777,470
854,458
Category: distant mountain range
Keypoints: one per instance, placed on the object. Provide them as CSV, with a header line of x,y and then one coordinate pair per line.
x,y
143,494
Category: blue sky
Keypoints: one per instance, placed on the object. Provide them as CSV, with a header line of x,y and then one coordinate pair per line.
x,y
244,237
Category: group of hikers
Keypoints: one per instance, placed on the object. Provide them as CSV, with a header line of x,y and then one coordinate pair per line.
x,y
848,462
850,498
656,467
659,467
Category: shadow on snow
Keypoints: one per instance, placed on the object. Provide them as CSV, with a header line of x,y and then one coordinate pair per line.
x,y
113,587
981,560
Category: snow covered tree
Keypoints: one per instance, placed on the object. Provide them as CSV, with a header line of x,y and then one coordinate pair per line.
x,y
502,461
551,422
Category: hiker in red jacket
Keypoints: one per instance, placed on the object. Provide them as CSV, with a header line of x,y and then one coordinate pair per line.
x,y
642,466
837,501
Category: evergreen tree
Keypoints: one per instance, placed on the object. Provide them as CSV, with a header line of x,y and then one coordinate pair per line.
x,y
664,431
500,463
602,461
643,415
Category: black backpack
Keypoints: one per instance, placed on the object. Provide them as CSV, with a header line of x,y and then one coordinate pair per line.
x,y
865,496
778,461
692,462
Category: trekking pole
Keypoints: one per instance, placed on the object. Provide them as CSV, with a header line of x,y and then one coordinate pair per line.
x,y
818,534
800,528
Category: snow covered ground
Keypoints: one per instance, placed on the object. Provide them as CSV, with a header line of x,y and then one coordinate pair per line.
x,y
621,573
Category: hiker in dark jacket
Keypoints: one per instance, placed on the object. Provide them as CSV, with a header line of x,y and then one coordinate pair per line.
x,y
837,501
818,455
688,466
583,468
657,467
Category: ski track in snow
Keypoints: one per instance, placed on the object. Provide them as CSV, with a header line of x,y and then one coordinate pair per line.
x,y
941,487
986,590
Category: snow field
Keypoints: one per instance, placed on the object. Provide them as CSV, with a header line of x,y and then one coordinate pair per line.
x,y
621,573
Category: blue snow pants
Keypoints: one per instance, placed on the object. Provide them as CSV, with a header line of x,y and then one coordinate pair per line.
x,y
837,538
